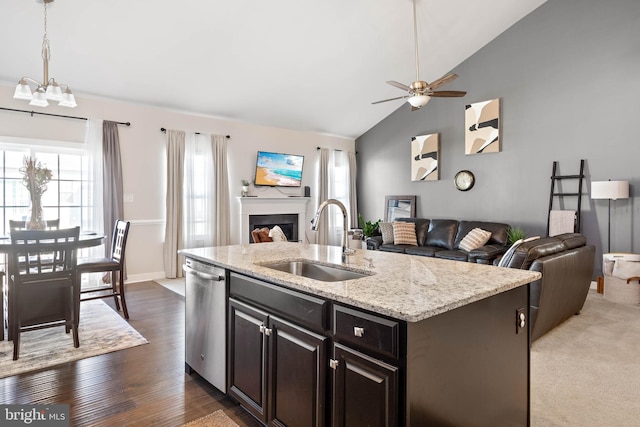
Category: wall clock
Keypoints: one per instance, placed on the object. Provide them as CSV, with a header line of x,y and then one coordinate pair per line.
x,y
464,180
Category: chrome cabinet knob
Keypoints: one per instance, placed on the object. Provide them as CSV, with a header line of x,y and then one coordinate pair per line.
x,y
358,331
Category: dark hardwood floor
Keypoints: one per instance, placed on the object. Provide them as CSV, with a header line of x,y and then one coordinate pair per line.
x,y
141,386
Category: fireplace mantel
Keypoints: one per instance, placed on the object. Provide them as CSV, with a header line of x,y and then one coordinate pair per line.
x,y
272,206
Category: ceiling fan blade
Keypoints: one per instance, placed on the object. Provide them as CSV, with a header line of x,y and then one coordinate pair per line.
x,y
391,99
448,93
443,81
399,85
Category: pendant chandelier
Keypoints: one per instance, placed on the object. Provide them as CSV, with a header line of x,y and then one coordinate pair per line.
x,y
49,90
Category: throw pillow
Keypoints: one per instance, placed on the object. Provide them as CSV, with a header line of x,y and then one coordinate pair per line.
x,y
261,235
404,233
277,234
625,269
475,239
386,229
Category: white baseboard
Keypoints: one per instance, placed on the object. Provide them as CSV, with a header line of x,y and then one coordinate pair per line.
x,y
594,286
145,277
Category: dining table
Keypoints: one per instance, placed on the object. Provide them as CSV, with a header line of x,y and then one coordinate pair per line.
x,y
87,239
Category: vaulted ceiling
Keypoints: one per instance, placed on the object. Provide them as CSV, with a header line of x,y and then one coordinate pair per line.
x,y
298,64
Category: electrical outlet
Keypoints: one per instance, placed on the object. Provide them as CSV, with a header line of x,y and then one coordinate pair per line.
x,y
127,198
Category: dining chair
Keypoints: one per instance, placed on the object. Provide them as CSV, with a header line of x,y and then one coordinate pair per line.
x,y
42,282
52,224
113,264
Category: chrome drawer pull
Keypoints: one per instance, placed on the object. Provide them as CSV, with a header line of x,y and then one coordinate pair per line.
x,y
358,331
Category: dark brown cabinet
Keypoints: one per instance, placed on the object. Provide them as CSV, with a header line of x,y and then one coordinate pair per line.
x,y
277,370
365,390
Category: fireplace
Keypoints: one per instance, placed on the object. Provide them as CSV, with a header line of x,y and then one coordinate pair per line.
x,y
258,212
287,222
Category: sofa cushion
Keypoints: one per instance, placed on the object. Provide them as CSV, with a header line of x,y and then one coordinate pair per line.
x,y
474,239
423,250
404,233
394,248
442,233
386,229
422,227
572,240
455,255
528,252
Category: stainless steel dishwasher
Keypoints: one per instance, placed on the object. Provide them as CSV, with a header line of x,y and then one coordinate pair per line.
x,y
205,322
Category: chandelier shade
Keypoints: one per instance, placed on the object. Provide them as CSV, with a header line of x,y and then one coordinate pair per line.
x,y
49,89
418,101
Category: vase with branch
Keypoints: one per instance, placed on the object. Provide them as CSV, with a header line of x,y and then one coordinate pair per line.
x,y
35,177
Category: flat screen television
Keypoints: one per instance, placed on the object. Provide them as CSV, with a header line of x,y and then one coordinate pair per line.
x,y
278,169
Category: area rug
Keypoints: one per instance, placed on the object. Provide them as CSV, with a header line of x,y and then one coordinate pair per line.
x,y
174,285
586,371
101,331
215,419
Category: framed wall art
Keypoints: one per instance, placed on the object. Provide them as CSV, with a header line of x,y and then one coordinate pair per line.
x,y
399,207
425,154
482,127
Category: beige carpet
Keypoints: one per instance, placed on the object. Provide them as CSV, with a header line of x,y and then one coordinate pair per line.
x,y
586,372
101,331
216,419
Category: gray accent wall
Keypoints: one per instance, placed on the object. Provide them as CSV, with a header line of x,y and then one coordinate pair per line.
x,y
568,76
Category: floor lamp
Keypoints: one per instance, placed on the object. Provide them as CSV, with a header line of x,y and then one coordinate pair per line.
x,y
610,190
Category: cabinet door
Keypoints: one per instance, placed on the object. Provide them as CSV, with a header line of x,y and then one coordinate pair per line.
x,y
297,374
248,357
365,390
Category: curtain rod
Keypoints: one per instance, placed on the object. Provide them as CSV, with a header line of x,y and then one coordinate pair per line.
x,y
319,148
56,115
197,133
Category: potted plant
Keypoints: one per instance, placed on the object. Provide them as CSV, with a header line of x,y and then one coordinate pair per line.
x,y
368,229
514,234
245,188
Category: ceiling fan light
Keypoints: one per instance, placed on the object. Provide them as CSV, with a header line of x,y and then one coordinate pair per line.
x,y
418,101
23,91
68,100
39,98
54,93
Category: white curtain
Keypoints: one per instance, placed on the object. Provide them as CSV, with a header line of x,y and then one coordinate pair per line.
x,y
353,194
221,208
94,220
335,183
173,225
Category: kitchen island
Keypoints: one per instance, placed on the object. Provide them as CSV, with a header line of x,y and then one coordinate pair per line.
x,y
414,341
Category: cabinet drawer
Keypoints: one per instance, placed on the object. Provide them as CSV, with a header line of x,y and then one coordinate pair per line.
x,y
366,330
301,308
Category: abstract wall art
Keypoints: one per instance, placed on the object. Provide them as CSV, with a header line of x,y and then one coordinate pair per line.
x,y
425,152
482,127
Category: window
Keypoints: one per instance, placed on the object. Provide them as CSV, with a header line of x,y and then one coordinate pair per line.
x,y
69,193
339,190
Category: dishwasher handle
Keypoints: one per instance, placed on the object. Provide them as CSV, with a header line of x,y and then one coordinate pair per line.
x,y
206,276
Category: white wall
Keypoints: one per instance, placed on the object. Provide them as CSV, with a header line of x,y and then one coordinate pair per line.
x,y
143,160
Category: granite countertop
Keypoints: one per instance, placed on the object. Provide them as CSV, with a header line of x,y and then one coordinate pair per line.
x,y
405,287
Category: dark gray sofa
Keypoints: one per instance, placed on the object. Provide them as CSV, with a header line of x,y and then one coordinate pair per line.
x,y
566,263
441,238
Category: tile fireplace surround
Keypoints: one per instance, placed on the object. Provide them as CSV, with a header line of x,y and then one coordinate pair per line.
x,y
272,206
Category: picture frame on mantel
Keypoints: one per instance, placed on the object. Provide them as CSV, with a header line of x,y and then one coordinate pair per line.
x,y
399,207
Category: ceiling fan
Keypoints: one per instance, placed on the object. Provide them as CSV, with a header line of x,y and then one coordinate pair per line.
x,y
420,92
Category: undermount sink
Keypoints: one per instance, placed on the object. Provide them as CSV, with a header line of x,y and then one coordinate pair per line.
x,y
316,271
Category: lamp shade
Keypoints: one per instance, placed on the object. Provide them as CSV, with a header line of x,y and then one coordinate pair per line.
x,y
611,190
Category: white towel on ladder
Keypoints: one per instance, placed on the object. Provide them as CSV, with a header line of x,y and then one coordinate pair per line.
x,y
561,222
